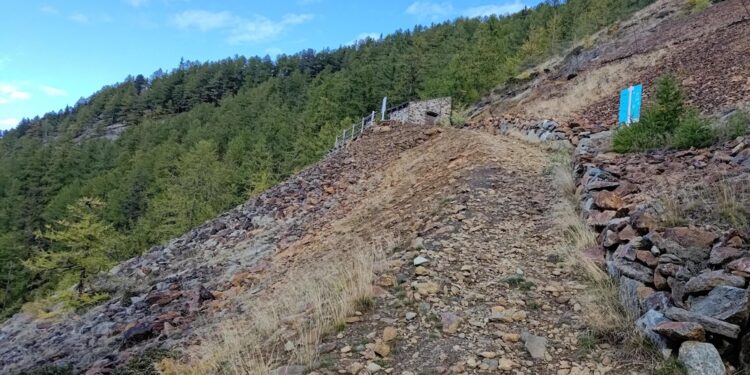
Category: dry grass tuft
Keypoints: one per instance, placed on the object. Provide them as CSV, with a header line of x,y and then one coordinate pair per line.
x,y
726,202
291,321
604,315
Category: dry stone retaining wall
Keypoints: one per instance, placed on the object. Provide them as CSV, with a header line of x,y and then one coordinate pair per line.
x,y
437,110
685,286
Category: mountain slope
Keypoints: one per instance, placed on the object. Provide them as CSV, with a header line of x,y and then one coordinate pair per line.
x,y
251,122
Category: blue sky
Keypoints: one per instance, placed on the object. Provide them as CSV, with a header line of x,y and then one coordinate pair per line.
x,y
54,52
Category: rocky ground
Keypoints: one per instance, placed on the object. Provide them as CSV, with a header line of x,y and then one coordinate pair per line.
x,y
482,288
707,50
167,297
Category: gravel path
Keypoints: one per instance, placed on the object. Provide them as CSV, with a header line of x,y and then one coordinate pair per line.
x,y
493,294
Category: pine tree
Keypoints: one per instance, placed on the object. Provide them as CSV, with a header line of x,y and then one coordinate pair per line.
x,y
79,247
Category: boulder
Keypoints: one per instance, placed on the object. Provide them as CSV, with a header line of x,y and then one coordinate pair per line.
x,y
628,295
742,265
647,258
137,333
627,233
721,255
724,303
690,237
673,247
709,324
535,345
626,252
701,358
634,270
607,200
681,331
647,323
658,301
450,322
600,218
712,279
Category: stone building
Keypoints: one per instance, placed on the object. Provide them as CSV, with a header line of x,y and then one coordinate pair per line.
x,y
428,112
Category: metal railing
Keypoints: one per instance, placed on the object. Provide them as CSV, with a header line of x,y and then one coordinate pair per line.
x,y
349,135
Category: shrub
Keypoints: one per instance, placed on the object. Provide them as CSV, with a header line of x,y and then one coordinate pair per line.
x,y
641,136
458,119
666,121
668,105
697,6
736,126
693,131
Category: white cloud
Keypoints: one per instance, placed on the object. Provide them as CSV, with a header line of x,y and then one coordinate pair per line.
x,y
79,18
7,123
49,9
203,20
10,93
240,30
53,91
499,9
426,9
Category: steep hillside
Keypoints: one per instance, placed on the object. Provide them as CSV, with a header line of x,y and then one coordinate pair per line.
x,y
421,249
671,225
162,154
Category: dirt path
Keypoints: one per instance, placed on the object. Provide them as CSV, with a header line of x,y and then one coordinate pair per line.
x,y
494,294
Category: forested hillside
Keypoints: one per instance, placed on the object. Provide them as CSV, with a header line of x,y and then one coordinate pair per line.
x,y
206,136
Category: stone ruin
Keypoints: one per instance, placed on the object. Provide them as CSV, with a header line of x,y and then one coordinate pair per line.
x,y
427,112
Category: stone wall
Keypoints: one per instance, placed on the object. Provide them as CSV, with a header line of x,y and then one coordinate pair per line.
x,y
419,112
685,285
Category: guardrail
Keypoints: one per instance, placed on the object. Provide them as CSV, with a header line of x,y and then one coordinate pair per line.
x,y
348,135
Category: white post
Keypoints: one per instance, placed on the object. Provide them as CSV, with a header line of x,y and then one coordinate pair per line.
x,y
383,108
372,118
630,104
353,125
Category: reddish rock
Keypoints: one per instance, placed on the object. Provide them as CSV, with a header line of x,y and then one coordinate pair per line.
x,y
660,282
607,200
681,331
162,298
627,233
647,258
668,269
645,221
735,241
721,255
610,238
709,280
742,265
626,188
625,251
450,322
691,237
596,254
600,218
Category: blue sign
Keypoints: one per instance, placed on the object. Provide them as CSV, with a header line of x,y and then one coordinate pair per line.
x,y
630,104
